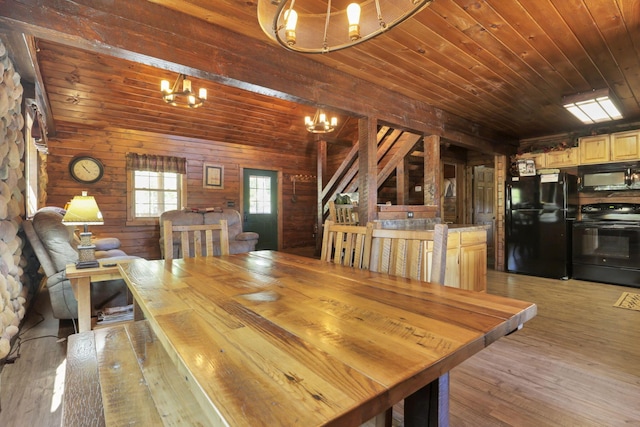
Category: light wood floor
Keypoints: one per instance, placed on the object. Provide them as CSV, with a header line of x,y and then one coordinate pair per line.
x,y
576,364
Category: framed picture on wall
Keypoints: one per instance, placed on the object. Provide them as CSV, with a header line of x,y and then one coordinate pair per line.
x,y
213,176
526,167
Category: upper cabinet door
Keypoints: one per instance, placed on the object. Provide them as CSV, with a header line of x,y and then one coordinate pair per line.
x,y
625,145
594,149
538,158
562,158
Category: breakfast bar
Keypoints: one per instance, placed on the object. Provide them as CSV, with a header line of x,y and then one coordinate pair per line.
x,y
272,339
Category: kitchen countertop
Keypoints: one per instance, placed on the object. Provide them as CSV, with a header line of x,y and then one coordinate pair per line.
x,y
425,224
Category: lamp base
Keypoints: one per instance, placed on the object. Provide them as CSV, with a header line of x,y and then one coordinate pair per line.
x,y
87,264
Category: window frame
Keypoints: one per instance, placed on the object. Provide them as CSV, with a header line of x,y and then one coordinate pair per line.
x,y
131,218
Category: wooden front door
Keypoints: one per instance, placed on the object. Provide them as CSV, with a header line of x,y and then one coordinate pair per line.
x,y
260,206
484,205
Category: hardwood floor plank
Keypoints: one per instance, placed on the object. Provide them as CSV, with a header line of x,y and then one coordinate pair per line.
x,y
31,388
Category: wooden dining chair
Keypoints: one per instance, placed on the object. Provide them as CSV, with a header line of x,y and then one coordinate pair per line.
x,y
191,243
348,245
405,253
343,214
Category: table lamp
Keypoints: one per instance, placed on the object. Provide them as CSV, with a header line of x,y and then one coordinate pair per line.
x,y
83,210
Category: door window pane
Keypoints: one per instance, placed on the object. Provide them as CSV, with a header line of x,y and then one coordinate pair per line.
x,y
259,194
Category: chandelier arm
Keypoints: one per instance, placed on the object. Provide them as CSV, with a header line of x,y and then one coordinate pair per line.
x,y
380,20
326,26
175,85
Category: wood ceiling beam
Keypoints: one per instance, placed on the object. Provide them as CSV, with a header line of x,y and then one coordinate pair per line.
x,y
153,35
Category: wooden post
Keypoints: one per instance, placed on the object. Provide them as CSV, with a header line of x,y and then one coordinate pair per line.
x,y
368,167
432,185
321,167
402,182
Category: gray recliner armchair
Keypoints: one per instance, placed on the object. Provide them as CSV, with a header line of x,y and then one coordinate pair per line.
x,y
239,241
55,246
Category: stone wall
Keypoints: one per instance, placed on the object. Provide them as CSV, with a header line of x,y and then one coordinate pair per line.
x,y
15,288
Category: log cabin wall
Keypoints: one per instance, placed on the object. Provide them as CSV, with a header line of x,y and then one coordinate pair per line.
x,y
110,147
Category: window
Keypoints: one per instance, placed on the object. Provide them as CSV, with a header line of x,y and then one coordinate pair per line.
x,y
155,192
259,194
152,190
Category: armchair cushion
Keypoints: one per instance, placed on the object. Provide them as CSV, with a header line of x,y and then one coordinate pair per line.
x,y
247,235
106,244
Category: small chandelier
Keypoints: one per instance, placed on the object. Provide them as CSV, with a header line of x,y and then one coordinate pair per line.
x,y
186,97
320,123
312,29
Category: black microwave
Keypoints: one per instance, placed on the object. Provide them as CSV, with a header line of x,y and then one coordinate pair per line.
x,y
609,177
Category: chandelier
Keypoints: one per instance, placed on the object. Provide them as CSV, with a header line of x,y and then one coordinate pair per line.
x,y
305,26
186,97
320,123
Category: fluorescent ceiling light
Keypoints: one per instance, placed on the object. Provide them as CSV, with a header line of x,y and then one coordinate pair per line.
x,y
592,107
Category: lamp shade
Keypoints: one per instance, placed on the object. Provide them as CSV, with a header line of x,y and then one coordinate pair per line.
x,y
83,210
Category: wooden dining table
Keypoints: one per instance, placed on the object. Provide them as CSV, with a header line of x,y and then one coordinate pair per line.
x,y
267,338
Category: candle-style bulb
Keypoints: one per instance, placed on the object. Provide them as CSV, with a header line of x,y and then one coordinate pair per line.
x,y
291,21
353,15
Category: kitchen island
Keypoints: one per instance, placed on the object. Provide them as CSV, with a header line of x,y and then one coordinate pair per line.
x,y
466,251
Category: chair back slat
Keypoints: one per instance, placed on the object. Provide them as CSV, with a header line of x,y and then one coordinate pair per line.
x,y
407,253
348,245
439,258
194,234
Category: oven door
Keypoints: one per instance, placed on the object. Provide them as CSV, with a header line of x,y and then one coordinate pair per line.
x,y
607,243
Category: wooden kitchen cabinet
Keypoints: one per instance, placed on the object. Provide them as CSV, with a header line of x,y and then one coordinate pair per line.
x,y
563,158
625,146
594,149
538,158
473,260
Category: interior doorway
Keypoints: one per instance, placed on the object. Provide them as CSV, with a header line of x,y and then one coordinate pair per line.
x,y
260,206
484,206
450,210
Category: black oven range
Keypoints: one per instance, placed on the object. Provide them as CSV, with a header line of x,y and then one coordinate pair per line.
x,y
606,244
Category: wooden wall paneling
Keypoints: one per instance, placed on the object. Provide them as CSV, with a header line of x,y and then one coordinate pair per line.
x,y
111,145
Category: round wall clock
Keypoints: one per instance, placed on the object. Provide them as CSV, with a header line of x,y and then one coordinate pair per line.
x,y
86,169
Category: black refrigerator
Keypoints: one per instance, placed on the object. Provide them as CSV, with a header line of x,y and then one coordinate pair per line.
x,y
539,218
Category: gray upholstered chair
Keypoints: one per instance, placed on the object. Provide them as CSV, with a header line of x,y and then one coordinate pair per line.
x,y
54,245
239,241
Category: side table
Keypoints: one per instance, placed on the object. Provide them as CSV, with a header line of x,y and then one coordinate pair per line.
x,y
81,284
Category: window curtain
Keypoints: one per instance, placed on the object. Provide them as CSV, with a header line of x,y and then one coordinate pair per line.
x,y
149,162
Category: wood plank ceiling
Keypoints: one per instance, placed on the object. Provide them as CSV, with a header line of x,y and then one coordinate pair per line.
x,y
501,64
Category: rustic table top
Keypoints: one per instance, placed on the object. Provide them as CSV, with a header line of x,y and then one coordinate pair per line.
x,y
268,338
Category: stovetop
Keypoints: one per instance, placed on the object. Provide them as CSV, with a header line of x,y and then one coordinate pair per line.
x,y
618,212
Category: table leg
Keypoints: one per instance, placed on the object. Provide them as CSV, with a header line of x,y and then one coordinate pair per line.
x,y
429,406
83,295
137,311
